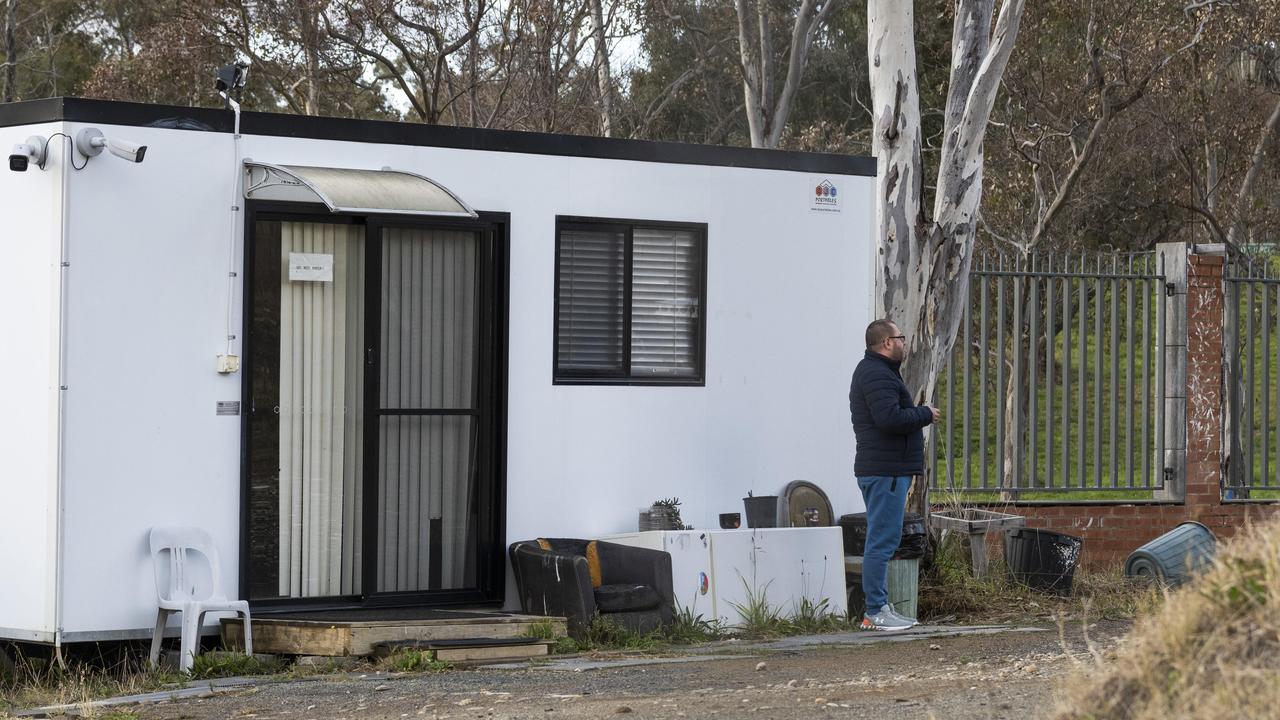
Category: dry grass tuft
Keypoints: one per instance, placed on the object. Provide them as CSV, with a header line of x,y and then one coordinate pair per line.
x,y
1211,650
37,680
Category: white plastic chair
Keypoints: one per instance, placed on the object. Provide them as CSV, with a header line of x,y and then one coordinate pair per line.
x,y
181,590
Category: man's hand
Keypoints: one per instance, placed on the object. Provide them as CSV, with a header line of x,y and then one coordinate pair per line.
x,y
937,414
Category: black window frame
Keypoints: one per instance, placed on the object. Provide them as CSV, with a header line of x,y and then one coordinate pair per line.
x,y
628,226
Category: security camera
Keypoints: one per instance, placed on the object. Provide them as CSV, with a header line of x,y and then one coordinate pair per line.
x,y
90,142
20,157
230,79
127,150
23,154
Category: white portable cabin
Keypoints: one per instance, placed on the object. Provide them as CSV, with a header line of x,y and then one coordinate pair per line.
x,y
494,335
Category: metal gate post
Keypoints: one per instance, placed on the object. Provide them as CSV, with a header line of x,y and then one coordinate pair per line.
x,y
1171,407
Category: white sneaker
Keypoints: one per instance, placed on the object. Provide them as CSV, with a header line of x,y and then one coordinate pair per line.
x,y
886,621
902,617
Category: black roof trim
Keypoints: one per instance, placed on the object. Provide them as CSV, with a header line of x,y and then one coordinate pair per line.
x,y
110,112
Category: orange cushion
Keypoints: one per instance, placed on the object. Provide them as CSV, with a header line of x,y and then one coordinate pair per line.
x,y
593,563
593,560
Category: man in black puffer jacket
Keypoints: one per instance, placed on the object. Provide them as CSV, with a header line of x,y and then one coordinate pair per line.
x,y
888,426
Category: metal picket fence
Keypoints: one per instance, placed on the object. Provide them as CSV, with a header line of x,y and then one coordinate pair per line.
x,y
1051,391
1252,356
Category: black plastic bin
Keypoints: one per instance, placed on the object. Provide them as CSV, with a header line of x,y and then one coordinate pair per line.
x,y
914,536
1042,559
762,511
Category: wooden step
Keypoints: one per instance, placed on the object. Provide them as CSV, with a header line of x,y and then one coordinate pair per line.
x,y
471,649
494,652
299,635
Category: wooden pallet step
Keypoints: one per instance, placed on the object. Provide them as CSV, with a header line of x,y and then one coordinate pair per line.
x,y
384,649
282,636
471,649
542,648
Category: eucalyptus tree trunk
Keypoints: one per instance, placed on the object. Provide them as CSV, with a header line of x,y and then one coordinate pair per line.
x,y
922,280
11,52
603,79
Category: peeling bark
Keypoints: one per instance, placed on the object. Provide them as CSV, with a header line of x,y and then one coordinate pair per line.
x,y
922,279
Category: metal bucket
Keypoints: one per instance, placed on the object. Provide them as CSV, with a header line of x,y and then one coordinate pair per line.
x,y
902,580
1174,556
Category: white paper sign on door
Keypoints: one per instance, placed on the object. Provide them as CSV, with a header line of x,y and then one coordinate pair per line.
x,y
313,267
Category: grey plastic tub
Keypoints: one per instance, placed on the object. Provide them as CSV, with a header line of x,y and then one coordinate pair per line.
x,y
1175,556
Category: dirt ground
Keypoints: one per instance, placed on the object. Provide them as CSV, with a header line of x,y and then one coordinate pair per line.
x,y
1000,675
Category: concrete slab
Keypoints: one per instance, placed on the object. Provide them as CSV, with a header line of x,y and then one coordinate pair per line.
x,y
579,664
724,650
863,637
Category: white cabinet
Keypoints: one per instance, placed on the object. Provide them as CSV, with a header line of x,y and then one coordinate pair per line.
x,y
781,565
715,572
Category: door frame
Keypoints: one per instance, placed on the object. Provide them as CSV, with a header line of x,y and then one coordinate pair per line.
x,y
494,285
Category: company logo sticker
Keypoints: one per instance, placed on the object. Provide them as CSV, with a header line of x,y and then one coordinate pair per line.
x,y
826,196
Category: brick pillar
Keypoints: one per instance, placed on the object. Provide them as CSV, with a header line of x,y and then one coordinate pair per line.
x,y
1204,405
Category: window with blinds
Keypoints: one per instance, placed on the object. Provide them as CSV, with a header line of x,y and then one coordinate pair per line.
x,y
629,302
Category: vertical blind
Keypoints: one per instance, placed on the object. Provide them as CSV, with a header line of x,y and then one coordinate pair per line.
x,y
426,461
321,427
664,287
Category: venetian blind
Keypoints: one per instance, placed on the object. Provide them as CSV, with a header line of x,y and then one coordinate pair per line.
x,y
665,278
592,294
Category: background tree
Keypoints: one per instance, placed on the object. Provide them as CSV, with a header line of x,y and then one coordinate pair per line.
x,y
48,47
1078,72
689,88
767,109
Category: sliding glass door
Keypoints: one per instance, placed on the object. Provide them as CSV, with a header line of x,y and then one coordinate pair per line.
x,y
427,409
372,421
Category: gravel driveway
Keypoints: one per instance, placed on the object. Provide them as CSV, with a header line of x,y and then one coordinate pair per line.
x,y
1006,674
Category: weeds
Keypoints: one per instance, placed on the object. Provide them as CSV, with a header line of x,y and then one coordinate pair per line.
x,y
759,618
228,664
412,660
688,628
541,631
563,645
566,645
949,592
816,618
605,633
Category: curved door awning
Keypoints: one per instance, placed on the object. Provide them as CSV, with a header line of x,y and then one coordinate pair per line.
x,y
385,191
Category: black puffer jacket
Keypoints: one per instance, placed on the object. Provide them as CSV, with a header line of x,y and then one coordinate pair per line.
x,y
885,420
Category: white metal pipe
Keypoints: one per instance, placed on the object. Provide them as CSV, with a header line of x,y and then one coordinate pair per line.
x,y
236,178
64,264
